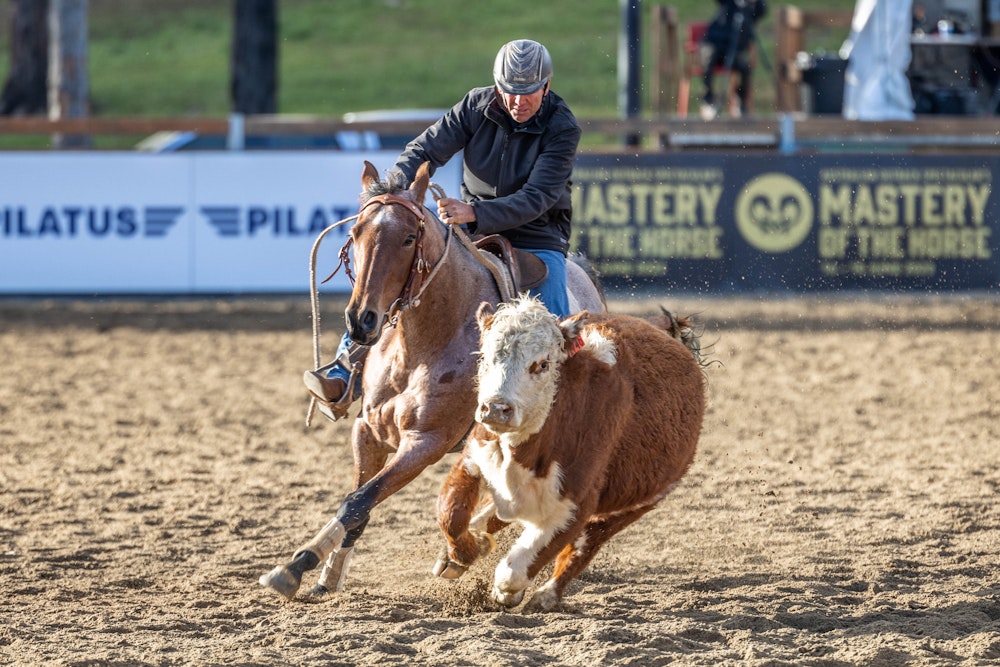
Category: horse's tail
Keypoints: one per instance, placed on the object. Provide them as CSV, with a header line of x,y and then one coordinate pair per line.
x,y
595,277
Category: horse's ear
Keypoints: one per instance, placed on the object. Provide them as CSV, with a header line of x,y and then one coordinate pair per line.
x,y
418,189
571,327
369,175
484,316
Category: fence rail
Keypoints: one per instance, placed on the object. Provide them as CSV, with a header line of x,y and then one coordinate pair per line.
x,y
783,132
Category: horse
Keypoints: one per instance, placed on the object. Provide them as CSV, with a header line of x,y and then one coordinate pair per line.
x,y
418,285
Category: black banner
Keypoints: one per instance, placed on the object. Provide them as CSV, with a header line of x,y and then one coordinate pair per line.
x,y
733,222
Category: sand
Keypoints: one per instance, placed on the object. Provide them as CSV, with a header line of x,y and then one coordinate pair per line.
x,y
842,509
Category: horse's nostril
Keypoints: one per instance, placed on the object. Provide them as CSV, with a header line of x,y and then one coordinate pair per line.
x,y
370,320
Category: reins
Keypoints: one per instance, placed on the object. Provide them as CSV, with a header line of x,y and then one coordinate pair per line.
x,y
417,266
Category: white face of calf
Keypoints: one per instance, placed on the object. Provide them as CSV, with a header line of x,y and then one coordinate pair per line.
x,y
522,347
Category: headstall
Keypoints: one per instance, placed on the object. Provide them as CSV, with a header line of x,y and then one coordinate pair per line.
x,y
415,282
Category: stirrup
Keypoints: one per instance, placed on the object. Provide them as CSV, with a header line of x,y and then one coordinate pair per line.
x,y
339,409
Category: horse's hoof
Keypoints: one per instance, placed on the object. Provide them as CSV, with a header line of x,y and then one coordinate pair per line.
x,y
508,599
282,581
449,570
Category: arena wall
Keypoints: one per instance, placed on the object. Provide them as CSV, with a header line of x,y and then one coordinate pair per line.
x,y
245,222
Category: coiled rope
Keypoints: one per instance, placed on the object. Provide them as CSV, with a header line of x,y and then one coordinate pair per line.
x,y
437,192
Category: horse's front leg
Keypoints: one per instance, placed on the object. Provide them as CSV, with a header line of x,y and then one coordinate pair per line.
x,y
456,504
369,457
416,452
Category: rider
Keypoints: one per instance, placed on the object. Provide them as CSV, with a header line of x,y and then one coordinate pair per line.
x,y
519,142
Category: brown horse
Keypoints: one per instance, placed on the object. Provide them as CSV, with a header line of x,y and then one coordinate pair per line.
x,y
414,301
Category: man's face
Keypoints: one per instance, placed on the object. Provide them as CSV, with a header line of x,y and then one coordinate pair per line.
x,y
522,107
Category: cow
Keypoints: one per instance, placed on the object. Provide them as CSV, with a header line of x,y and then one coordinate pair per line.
x,y
583,426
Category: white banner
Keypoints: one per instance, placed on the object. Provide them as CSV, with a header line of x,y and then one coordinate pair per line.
x,y
124,223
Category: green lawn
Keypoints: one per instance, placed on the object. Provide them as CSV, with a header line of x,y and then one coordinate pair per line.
x,y
171,57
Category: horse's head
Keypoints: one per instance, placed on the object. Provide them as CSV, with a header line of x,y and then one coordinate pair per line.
x,y
387,239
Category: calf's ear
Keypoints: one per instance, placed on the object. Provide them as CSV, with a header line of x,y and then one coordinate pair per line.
x,y
571,327
484,316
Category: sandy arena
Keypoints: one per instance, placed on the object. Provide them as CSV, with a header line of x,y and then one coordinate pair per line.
x,y
843,507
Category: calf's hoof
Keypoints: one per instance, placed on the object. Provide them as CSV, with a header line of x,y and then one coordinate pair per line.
x,y
485,542
508,599
543,600
318,592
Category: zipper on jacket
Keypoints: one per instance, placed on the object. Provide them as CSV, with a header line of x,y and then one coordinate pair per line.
x,y
503,158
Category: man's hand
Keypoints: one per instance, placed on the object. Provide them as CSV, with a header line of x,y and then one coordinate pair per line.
x,y
455,211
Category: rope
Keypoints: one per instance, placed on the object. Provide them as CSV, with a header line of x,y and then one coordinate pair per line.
x,y
415,301
506,289
314,301
437,192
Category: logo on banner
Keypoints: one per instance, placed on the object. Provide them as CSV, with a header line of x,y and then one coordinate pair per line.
x,y
89,221
774,213
236,221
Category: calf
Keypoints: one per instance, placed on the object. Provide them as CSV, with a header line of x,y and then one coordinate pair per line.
x,y
583,426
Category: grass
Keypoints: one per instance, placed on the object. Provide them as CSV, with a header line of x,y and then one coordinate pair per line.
x,y
171,57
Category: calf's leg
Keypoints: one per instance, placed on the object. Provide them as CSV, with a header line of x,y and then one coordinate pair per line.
x,y
534,549
456,507
576,556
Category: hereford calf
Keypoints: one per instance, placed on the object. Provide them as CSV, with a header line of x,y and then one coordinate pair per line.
x,y
583,426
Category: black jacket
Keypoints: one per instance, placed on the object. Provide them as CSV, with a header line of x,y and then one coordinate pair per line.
x,y
516,177
735,20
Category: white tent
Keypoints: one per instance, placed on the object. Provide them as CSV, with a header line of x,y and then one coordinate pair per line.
x,y
878,53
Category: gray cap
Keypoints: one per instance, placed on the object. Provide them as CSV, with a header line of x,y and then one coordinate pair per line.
x,y
522,67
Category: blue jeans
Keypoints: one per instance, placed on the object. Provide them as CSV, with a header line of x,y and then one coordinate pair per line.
x,y
338,370
552,292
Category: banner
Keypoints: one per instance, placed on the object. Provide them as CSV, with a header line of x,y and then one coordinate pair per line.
x,y
725,222
206,222
214,222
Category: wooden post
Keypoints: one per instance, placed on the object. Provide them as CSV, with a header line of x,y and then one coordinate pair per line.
x,y
665,74
789,42
69,85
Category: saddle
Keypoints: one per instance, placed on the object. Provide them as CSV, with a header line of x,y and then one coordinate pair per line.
x,y
526,271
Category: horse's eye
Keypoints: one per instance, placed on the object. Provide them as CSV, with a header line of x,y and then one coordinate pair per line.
x,y
409,240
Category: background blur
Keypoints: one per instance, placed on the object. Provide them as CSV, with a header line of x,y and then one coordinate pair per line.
x,y
172,57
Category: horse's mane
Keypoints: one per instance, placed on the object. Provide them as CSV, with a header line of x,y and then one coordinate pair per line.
x,y
393,184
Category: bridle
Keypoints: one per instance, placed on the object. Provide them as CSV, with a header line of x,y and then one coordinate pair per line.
x,y
421,273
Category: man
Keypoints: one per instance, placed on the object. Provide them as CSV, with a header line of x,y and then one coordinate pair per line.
x,y
725,46
519,142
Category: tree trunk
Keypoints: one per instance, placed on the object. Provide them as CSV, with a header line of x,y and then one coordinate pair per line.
x,y
25,91
255,55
